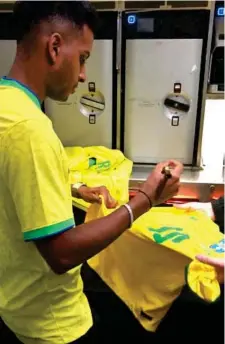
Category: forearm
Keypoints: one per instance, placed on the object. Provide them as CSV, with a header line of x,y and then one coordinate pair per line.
x,y
86,240
75,193
74,246
75,190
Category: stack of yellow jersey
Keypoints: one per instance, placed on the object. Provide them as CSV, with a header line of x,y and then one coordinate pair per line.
x,y
96,166
150,263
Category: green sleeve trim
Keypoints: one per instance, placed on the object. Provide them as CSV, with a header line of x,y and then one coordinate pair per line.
x,y
48,230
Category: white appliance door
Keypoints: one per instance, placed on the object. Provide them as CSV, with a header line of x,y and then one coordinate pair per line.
x,y
70,124
152,69
7,55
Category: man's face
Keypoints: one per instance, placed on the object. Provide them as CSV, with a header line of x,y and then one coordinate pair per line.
x,y
69,66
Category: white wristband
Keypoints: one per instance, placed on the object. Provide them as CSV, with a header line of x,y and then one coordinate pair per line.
x,y
77,186
130,211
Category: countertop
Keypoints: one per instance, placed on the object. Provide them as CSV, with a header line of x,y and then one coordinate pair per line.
x,y
208,175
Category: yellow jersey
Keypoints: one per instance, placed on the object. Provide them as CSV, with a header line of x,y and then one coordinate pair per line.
x,y
149,264
35,202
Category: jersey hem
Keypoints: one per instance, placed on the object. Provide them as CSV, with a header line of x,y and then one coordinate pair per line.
x,y
74,335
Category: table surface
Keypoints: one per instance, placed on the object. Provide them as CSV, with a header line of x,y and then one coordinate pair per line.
x,y
191,178
209,175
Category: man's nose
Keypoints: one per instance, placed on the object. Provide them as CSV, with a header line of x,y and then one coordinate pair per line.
x,y
82,78
82,75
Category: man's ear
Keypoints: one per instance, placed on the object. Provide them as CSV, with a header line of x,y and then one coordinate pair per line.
x,y
54,45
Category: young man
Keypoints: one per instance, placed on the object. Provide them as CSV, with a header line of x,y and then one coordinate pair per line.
x,y
41,294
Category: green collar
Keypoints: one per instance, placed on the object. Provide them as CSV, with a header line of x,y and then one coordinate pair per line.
x,y
14,83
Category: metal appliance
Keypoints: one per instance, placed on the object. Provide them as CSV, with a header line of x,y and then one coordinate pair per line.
x,y
163,61
88,117
216,75
7,42
6,59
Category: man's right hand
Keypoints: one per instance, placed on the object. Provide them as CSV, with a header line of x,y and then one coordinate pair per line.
x,y
158,187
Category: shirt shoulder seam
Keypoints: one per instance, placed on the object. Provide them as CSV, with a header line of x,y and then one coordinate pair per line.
x,y
16,124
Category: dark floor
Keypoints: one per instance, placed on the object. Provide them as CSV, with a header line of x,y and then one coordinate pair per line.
x,y
189,320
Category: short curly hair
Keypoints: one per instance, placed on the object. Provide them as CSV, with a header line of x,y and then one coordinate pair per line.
x,y
27,14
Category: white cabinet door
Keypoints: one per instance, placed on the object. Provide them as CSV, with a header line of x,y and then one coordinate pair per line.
x,y
152,68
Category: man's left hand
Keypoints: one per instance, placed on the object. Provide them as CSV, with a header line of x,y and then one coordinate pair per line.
x,y
92,195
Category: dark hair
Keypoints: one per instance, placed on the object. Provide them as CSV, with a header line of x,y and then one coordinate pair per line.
x,y
27,14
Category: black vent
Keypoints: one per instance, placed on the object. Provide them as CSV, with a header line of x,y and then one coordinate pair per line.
x,y
143,4
6,6
104,5
185,4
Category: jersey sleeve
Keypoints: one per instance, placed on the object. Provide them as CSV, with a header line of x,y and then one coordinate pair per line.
x,y
37,177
